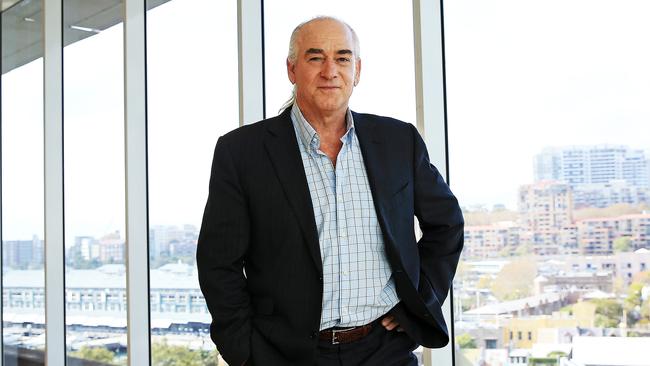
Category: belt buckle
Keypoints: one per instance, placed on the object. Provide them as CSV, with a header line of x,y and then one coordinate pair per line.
x,y
335,332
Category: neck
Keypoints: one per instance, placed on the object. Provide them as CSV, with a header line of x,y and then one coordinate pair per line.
x,y
326,123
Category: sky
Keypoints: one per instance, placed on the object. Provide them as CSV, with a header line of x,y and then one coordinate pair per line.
x,y
521,75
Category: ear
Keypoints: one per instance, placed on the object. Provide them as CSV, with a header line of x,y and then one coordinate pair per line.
x,y
357,71
291,71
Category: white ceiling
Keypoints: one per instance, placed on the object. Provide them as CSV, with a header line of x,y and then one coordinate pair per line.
x,y
22,36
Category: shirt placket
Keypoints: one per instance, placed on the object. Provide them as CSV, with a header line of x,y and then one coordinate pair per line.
x,y
328,176
341,171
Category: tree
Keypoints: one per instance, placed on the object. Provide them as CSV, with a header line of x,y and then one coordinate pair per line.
x,y
523,249
484,217
645,313
609,313
622,244
465,341
95,354
166,355
556,354
484,282
610,211
632,303
515,280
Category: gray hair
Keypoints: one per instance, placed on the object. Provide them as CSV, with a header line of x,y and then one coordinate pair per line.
x,y
293,49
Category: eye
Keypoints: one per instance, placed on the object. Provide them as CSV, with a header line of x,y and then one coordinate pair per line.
x,y
315,58
344,59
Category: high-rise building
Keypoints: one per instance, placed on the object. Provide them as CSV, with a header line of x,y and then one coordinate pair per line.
x,y
608,194
23,253
596,164
545,209
491,241
111,248
166,240
597,235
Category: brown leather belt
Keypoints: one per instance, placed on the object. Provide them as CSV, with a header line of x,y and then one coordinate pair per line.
x,y
345,335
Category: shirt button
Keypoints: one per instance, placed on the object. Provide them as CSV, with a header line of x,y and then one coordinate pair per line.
x,y
345,273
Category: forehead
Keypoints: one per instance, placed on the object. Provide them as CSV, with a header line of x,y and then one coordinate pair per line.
x,y
325,34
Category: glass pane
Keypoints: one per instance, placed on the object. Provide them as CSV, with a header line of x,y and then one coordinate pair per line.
x,y
549,144
94,181
23,310
192,96
379,72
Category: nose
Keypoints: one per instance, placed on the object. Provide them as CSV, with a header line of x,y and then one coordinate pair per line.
x,y
329,69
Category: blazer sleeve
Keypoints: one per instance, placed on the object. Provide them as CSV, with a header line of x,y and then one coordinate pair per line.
x,y
222,246
440,220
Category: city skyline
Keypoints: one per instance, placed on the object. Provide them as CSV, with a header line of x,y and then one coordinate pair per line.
x,y
583,98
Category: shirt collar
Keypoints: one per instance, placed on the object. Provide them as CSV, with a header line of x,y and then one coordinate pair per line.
x,y
308,135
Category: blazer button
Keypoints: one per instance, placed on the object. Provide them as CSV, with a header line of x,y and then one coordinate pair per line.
x,y
313,335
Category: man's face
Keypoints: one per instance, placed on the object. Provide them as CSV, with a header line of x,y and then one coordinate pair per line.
x,y
326,68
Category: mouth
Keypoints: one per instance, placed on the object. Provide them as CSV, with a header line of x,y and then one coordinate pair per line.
x,y
329,88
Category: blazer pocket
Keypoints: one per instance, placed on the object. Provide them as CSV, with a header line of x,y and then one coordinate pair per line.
x,y
263,306
399,197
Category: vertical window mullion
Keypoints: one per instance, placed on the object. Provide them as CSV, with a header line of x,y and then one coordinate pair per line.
x,y
251,60
431,119
53,161
137,249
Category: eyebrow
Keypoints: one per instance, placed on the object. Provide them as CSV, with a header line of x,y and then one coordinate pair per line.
x,y
320,51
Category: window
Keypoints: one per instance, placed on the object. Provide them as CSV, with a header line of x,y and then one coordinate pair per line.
x,y
93,117
556,153
22,183
192,99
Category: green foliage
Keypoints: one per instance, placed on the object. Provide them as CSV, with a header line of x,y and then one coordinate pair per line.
x,y
480,217
77,261
515,280
484,282
166,355
556,354
567,309
622,244
524,249
539,361
633,298
645,312
610,211
465,341
609,313
95,354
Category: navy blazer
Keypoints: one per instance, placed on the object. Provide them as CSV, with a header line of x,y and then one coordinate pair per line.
x,y
258,253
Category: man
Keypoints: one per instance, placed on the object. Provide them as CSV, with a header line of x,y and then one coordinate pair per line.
x,y
307,252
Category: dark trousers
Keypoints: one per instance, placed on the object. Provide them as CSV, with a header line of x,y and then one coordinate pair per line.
x,y
379,348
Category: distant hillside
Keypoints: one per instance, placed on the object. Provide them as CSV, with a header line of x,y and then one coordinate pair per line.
x,y
475,218
611,211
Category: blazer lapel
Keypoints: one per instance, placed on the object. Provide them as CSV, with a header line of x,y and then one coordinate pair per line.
x,y
376,158
282,147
